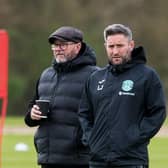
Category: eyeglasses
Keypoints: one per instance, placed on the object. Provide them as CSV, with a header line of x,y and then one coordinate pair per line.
x,y
62,46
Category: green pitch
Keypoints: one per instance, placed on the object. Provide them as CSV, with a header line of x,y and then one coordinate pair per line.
x,y
15,159
158,149
11,158
158,153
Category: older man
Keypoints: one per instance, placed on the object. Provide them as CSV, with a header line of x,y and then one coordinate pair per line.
x,y
58,138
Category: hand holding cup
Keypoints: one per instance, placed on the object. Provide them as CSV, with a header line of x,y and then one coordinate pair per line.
x,y
43,107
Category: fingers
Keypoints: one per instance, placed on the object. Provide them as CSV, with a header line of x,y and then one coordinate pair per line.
x,y
35,113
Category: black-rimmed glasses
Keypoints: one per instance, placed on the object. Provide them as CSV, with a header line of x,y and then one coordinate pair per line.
x,y
62,45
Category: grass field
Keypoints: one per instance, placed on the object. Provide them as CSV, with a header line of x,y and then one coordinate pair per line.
x,y
158,149
15,159
158,153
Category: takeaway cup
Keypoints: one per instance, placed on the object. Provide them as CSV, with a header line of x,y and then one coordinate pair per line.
x,y
44,107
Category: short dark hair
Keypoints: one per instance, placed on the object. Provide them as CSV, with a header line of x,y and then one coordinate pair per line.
x,y
117,29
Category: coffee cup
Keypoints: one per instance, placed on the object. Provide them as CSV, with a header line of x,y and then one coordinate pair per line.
x,y
44,107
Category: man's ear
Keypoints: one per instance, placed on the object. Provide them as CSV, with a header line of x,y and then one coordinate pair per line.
x,y
131,45
79,45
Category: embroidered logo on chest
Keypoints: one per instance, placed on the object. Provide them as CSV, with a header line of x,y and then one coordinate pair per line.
x,y
127,85
100,84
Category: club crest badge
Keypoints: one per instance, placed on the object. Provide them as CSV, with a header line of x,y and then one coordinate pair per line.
x,y
127,85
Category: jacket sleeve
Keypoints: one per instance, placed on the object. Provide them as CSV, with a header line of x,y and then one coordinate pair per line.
x,y
155,113
28,121
86,115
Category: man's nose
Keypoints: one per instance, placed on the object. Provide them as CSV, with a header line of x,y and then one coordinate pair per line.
x,y
115,50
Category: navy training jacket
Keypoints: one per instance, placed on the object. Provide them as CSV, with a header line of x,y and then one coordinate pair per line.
x,y
121,109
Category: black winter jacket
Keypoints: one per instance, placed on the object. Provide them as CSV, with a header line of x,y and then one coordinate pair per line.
x,y
58,138
121,109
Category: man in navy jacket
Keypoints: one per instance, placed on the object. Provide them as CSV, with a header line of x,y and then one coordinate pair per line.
x,y
123,105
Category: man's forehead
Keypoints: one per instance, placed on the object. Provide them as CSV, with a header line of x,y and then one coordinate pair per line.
x,y
119,38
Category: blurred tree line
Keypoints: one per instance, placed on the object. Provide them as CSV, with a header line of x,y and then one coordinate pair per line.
x,y
29,24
